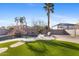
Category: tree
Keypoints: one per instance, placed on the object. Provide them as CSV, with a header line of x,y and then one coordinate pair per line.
x,y
2,27
20,25
39,26
20,21
49,7
10,27
38,23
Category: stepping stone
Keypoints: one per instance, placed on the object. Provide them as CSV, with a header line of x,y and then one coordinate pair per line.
x,y
16,44
3,49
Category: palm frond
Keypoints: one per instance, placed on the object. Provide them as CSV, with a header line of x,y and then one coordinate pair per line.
x,y
45,7
49,6
52,10
16,19
46,4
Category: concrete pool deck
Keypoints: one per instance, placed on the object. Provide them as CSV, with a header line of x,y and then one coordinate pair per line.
x,y
67,38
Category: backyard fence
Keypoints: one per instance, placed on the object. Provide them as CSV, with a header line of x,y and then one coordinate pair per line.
x,y
6,37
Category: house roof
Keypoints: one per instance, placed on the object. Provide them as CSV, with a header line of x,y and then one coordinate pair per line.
x,y
65,24
68,24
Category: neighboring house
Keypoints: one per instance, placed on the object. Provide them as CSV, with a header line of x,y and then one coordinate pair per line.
x,y
3,31
65,26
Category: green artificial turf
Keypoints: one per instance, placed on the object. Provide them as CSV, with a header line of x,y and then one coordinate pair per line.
x,y
43,48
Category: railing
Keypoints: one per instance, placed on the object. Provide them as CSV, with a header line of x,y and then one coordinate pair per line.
x,y
9,37
6,37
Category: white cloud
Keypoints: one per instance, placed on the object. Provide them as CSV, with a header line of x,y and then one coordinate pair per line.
x,y
68,19
6,22
55,19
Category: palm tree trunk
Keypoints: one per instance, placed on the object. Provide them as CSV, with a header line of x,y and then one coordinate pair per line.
x,y
48,19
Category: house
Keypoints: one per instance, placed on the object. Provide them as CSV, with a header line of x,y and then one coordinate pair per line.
x,y
3,31
65,26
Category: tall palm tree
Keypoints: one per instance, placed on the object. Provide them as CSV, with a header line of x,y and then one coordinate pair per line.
x,y
20,22
17,22
49,7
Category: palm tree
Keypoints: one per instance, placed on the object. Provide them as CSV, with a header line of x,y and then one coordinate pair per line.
x,y
49,7
20,22
17,22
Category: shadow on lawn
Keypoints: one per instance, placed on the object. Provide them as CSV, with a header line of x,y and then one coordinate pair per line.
x,y
38,50
62,44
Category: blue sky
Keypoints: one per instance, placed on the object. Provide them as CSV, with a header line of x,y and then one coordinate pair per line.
x,y
67,13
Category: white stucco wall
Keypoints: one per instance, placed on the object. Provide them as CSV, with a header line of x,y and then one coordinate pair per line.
x,y
72,32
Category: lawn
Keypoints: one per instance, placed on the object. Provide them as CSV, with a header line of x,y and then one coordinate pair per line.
x,y
42,48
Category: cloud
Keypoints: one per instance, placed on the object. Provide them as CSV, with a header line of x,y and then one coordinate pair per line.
x,y
64,19
6,22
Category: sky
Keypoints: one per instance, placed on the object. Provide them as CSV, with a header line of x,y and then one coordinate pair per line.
x,y
63,13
